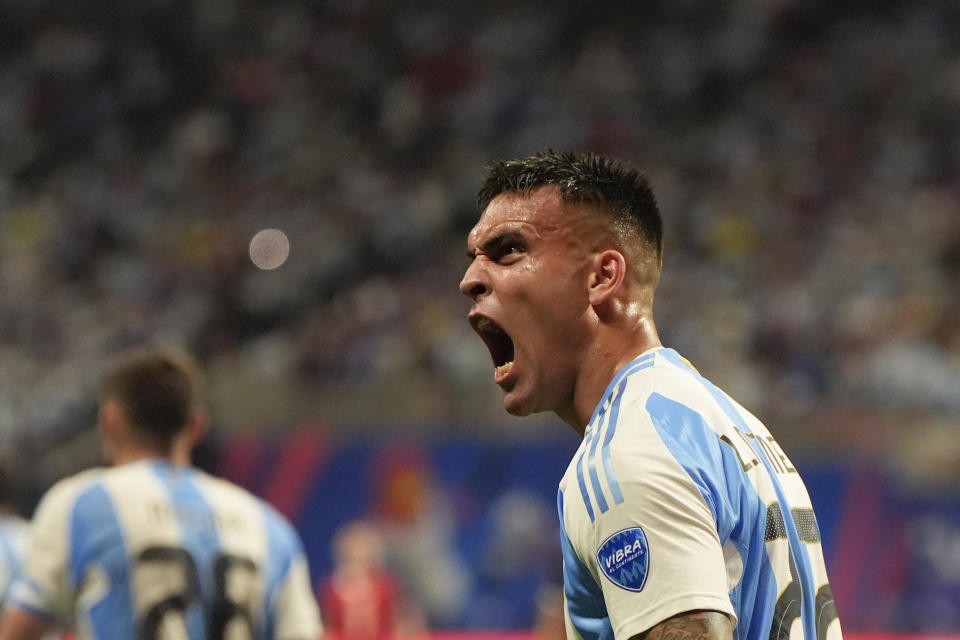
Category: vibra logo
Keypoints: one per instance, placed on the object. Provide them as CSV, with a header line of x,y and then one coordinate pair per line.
x,y
624,558
626,552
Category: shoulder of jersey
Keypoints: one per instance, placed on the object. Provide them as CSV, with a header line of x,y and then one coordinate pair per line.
x,y
240,493
659,376
79,480
223,484
68,489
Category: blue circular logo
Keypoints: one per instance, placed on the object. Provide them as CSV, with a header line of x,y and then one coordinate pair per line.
x,y
624,558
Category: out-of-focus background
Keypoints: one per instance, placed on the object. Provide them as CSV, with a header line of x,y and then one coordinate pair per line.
x,y
806,156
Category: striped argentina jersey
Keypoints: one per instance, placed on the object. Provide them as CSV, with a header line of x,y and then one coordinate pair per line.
x,y
13,543
151,550
678,499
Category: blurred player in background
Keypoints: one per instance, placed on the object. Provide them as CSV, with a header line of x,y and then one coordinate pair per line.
x,y
151,547
681,517
13,532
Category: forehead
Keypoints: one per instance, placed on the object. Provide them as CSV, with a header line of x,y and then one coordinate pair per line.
x,y
540,214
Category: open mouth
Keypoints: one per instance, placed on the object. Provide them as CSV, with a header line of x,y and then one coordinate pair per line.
x,y
498,343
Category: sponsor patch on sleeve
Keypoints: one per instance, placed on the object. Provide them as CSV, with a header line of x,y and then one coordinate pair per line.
x,y
624,558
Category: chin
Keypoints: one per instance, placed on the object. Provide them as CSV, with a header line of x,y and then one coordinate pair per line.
x,y
513,410
514,407
517,407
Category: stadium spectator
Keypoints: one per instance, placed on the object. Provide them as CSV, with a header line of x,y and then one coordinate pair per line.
x,y
417,524
762,123
360,599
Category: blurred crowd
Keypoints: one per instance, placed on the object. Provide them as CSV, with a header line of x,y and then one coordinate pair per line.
x,y
806,156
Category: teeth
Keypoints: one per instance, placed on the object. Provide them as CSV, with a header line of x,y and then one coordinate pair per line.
x,y
484,323
504,368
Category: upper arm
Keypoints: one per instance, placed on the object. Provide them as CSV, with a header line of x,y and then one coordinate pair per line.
x,y
691,625
297,612
18,624
45,583
654,548
294,603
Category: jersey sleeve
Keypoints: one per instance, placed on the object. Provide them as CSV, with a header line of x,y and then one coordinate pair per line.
x,y
7,571
298,616
293,604
44,588
656,551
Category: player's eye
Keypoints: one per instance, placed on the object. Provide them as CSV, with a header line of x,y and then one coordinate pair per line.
x,y
508,251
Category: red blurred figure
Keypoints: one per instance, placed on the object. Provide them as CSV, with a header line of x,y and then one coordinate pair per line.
x,y
360,598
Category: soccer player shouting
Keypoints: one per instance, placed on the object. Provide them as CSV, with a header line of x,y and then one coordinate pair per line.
x,y
681,517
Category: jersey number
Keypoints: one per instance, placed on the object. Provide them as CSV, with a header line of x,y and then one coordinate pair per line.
x,y
788,609
167,582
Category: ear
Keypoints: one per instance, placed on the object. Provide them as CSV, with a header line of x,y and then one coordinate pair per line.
x,y
112,424
197,426
112,420
608,276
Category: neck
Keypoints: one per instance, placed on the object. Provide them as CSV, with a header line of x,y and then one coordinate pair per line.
x,y
178,454
612,351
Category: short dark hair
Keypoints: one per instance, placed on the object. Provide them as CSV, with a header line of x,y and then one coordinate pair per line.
x,y
157,390
583,178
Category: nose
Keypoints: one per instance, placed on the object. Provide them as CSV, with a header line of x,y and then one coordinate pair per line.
x,y
473,284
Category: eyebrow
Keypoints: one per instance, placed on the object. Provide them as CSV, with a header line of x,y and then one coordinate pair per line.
x,y
498,240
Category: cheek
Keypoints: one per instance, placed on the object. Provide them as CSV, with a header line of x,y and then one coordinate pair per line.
x,y
542,301
553,324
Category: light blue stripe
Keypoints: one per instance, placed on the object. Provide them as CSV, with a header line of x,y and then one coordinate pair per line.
x,y
609,428
594,438
11,560
283,546
605,452
198,535
640,364
625,371
26,594
585,604
583,488
96,539
738,511
637,365
797,547
36,612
